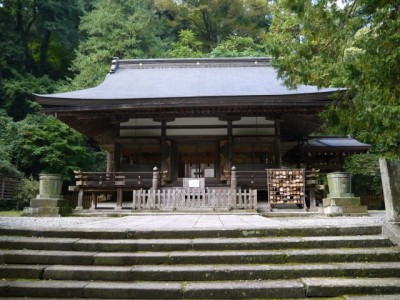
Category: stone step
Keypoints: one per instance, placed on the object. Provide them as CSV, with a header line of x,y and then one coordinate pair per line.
x,y
111,233
199,257
330,287
278,289
264,272
200,272
125,245
372,297
249,257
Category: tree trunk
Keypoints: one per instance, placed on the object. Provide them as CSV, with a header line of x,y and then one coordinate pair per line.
x,y
43,53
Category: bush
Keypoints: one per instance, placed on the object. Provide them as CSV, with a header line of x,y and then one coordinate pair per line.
x,y
27,190
366,174
7,168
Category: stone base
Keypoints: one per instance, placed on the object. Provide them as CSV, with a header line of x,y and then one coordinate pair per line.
x,y
343,206
342,201
49,197
342,195
392,230
333,210
46,208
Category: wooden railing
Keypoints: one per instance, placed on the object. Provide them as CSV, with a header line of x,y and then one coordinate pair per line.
x,y
113,179
181,199
118,182
147,193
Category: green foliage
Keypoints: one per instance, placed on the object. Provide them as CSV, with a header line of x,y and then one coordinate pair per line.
x,y
30,27
127,29
236,46
8,132
7,168
213,21
27,189
47,145
365,173
18,93
319,43
37,37
187,46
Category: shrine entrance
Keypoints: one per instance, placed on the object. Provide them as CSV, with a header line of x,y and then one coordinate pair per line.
x,y
197,159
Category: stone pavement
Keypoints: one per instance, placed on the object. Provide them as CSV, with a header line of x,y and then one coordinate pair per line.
x,y
190,221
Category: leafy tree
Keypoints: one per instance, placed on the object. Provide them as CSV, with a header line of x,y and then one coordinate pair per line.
x,y
8,132
235,46
128,29
27,189
18,92
47,145
11,52
355,46
213,21
34,27
187,45
365,174
37,37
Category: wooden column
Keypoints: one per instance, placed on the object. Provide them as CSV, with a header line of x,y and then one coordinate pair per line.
x,y
277,150
163,136
230,141
109,162
117,157
165,148
226,146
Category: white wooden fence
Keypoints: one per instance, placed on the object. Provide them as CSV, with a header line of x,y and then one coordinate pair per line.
x,y
181,199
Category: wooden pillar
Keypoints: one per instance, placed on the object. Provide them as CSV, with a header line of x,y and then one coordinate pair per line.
x,y
117,157
162,142
342,156
109,162
277,150
230,142
165,148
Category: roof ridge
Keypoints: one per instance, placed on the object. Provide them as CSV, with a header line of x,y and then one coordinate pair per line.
x,y
188,62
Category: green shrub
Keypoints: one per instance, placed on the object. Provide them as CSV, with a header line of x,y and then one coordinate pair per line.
x,y
27,190
366,176
8,169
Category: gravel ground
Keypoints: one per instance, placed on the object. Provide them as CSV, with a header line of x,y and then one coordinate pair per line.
x,y
28,222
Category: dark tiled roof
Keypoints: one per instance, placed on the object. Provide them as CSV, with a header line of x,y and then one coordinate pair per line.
x,y
335,143
186,78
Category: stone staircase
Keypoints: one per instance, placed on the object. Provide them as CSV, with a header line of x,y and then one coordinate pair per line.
x,y
191,264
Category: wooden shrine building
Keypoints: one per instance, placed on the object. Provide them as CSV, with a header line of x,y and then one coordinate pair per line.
x,y
193,118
